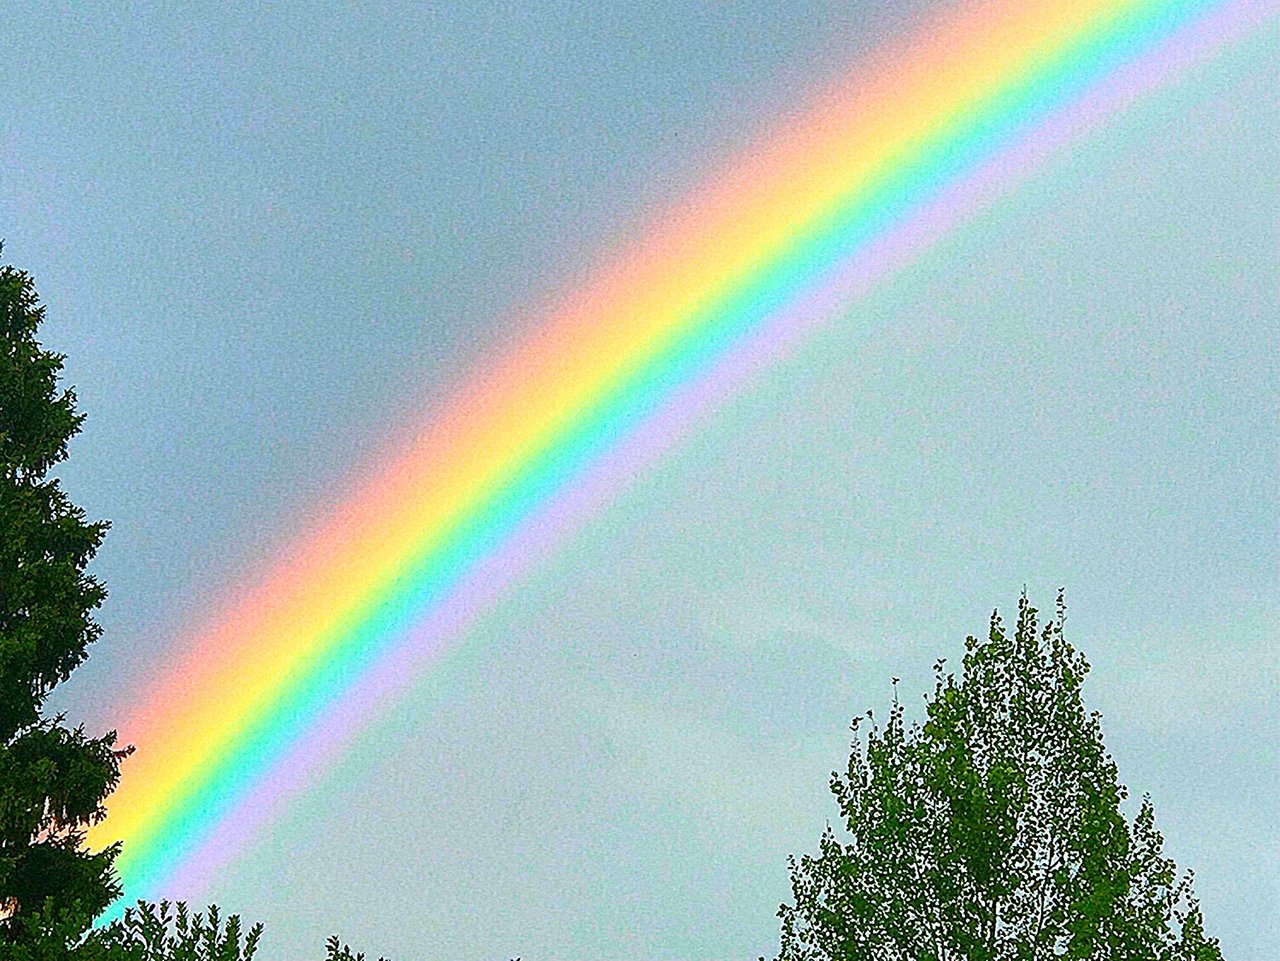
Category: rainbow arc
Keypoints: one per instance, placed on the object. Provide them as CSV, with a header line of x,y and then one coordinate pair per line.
x,y
781,239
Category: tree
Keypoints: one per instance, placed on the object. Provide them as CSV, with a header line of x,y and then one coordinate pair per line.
x,y
150,932
994,831
155,932
53,778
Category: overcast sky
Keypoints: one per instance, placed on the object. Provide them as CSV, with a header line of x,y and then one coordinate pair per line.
x,y
269,234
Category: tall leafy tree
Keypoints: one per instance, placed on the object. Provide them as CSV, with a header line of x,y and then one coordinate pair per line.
x,y
993,831
53,778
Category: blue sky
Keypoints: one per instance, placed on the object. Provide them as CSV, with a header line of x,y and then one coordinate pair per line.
x,y
268,235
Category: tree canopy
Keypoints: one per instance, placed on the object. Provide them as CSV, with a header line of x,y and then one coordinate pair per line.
x,y
53,778
992,831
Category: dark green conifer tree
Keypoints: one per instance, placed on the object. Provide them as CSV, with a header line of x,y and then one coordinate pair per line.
x,y
993,831
53,778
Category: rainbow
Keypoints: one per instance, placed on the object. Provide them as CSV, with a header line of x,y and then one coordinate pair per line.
x,y
611,375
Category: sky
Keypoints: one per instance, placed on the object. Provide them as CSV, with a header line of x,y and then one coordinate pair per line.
x,y
269,236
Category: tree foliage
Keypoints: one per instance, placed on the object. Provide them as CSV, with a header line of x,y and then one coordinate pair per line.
x,y
993,831
172,933
151,932
337,951
148,932
167,932
53,778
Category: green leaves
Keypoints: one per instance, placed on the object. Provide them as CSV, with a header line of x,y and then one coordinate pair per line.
x,y
337,951
992,830
36,420
165,932
52,779
146,932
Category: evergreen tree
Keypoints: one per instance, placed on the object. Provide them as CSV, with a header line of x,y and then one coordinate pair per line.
x,y
53,778
992,832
